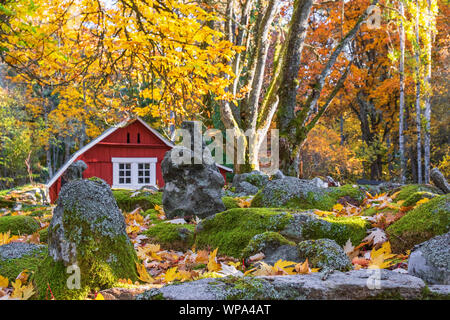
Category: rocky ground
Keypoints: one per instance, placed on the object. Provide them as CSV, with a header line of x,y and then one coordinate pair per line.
x,y
278,238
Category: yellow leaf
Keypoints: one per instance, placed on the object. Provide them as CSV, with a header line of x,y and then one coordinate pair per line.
x,y
3,282
202,257
143,274
338,207
99,297
212,264
424,200
171,275
284,266
302,268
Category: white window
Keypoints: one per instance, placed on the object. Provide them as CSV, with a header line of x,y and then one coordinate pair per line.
x,y
133,173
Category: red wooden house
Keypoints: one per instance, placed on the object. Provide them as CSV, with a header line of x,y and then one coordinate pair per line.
x,y
127,156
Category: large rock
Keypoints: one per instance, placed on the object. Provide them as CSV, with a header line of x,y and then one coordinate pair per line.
x,y
274,247
245,188
424,222
192,187
352,285
431,260
439,180
325,254
297,193
88,233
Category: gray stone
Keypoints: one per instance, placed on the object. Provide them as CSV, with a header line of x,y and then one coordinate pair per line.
x,y
297,228
74,172
319,183
15,250
285,252
352,285
192,187
325,254
256,178
439,180
92,205
440,289
277,193
430,260
245,188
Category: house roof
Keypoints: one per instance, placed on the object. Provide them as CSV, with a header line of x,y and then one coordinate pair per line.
x,y
106,134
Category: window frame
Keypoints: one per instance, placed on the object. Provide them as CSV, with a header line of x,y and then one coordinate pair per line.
x,y
134,172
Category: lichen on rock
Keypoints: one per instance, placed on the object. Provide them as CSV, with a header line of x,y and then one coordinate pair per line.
x,y
325,254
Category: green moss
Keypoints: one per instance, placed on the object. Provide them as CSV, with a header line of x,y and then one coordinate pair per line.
x,y
257,200
420,224
145,200
261,242
18,225
344,228
257,180
43,235
171,236
102,260
99,269
325,200
11,268
415,197
230,202
232,230
406,191
95,179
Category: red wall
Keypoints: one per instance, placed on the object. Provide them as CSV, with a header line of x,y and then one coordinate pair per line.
x,y
98,157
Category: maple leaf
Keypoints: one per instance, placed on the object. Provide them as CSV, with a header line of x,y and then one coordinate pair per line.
x,y
378,258
230,270
376,236
202,257
3,282
338,207
302,268
171,275
20,291
212,264
284,266
244,203
348,248
143,274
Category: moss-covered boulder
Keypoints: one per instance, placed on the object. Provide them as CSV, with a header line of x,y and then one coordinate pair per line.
x,y
296,193
307,225
325,254
128,200
408,190
255,178
232,230
172,236
269,244
87,232
420,224
417,196
16,257
43,235
18,225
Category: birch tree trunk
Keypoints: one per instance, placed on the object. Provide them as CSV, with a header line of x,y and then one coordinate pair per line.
x,y
418,108
428,93
401,134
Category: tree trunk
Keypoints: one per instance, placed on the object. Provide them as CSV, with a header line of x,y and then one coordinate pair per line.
x,y
401,134
428,93
418,108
